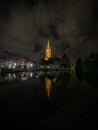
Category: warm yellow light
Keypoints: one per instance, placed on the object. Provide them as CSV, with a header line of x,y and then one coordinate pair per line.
x,y
48,51
48,86
72,68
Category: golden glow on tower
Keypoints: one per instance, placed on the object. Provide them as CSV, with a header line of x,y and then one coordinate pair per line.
x,y
48,86
48,51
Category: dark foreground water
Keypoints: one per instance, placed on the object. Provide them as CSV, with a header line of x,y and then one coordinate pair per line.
x,y
53,100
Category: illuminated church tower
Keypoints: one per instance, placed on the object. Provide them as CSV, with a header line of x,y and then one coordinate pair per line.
x,y
48,51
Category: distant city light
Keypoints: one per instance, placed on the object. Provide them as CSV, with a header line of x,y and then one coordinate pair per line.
x,y
31,74
37,76
31,65
14,67
48,67
10,66
15,63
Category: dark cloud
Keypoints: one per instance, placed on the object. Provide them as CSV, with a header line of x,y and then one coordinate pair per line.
x,y
44,33
71,26
37,48
53,32
64,46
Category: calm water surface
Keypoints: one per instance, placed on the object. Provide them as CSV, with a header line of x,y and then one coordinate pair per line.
x,y
49,100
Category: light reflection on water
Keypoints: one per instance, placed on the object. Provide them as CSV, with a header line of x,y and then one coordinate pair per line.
x,y
49,78
48,86
16,76
40,94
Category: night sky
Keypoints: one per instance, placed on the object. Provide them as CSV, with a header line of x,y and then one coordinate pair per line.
x,y
70,25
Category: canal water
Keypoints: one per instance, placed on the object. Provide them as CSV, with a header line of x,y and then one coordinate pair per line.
x,y
48,100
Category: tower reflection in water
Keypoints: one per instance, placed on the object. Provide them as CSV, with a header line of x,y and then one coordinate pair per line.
x,y
48,86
